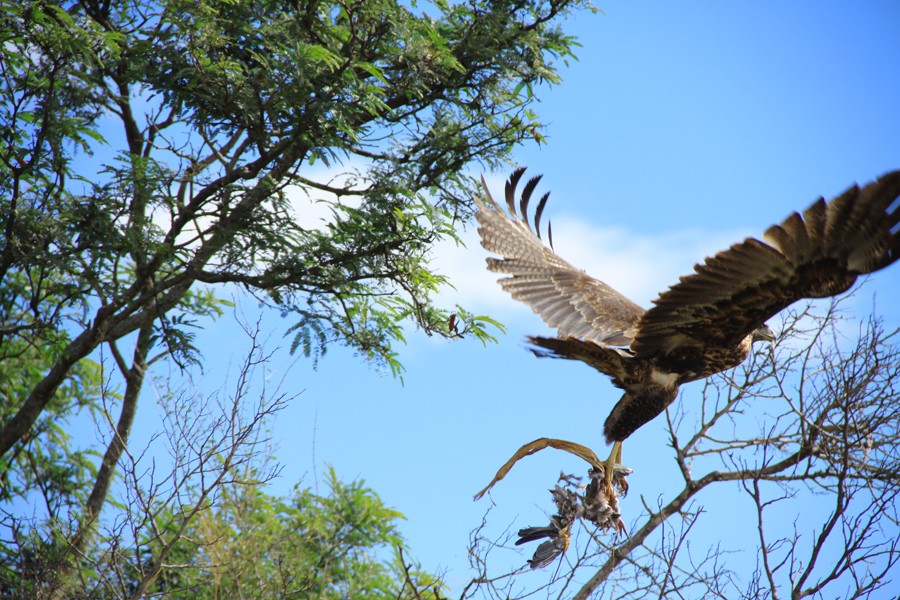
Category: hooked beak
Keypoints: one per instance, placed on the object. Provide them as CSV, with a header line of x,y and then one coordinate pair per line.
x,y
765,334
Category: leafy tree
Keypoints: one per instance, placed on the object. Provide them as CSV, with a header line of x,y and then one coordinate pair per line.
x,y
340,545
151,152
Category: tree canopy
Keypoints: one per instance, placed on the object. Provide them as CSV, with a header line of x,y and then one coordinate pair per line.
x,y
341,544
152,152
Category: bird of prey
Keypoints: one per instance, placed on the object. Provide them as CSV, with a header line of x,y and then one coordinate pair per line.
x,y
705,323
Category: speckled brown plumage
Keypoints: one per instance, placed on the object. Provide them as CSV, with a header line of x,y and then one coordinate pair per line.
x,y
706,322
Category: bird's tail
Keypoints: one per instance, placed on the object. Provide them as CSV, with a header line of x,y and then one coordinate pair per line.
x,y
558,531
530,534
608,360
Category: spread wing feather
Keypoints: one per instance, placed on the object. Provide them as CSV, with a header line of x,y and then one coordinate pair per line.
x,y
578,305
816,255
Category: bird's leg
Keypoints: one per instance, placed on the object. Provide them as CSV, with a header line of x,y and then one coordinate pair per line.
x,y
615,457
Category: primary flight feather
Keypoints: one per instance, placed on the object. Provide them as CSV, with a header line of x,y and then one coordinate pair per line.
x,y
705,323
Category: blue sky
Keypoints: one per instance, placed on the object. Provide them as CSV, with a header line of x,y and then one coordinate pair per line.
x,y
684,127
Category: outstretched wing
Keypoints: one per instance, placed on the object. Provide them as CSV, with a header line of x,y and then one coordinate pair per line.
x,y
567,298
816,255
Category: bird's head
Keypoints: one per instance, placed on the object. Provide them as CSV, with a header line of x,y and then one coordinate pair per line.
x,y
763,334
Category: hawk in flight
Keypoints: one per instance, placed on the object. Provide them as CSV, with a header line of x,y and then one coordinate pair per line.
x,y
705,323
